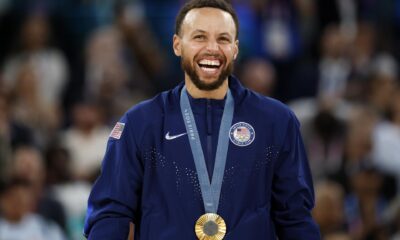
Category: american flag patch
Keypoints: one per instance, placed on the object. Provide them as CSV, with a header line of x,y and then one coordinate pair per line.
x,y
117,130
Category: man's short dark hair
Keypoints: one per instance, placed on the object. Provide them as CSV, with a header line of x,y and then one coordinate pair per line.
x,y
219,4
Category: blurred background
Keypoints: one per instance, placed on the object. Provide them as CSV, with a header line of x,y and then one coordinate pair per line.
x,y
70,68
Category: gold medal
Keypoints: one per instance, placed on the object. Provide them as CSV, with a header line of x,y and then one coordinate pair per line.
x,y
210,226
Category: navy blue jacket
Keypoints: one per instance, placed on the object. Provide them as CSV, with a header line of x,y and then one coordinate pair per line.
x,y
267,189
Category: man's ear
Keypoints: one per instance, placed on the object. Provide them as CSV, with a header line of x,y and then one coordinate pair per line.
x,y
177,45
236,50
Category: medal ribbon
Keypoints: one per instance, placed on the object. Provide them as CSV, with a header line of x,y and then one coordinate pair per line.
x,y
210,191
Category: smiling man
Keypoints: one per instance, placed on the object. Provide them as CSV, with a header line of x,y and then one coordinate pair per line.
x,y
206,41
208,159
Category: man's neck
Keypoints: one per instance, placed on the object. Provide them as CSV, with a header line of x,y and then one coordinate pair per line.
x,y
218,93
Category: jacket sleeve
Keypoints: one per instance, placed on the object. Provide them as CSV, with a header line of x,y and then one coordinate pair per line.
x,y
292,189
115,196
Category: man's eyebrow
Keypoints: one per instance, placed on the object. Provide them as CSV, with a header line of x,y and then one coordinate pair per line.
x,y
202,31
198,31
225,34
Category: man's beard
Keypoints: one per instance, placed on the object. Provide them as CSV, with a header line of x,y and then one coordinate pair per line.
x,y
200,84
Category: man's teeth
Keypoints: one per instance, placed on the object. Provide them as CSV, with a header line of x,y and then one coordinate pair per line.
x,y
209,70
210,62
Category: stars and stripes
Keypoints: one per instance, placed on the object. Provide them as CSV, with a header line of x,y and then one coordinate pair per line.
x,y
117,130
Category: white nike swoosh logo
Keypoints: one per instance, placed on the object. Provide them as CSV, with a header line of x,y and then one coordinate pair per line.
x,y
168,137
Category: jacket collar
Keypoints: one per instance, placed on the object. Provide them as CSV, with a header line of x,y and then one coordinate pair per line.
x,y
237,90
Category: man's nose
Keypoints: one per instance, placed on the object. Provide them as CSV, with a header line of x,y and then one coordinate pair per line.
x,y
212,45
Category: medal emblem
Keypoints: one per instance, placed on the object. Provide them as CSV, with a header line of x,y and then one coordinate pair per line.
x,y
242,134
210,226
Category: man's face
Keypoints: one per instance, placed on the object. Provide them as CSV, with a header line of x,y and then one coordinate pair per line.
x,y
207,46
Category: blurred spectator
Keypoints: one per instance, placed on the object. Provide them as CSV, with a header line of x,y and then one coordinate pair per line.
x,y
86,140
382,83
258,75
58,165
17,221
333,70
325,144
324,129
36,76
323,118
357,142
359,135
29,109
339,12
386,138
72,194
48,64
362,51
329,208
365,204
28,165
364,47
334,66
11,131
123,61
12,134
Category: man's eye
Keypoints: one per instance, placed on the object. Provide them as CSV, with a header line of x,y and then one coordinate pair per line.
x,y
224,40
199,37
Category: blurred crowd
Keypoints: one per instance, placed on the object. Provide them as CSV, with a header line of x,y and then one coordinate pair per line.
x,y
70,68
